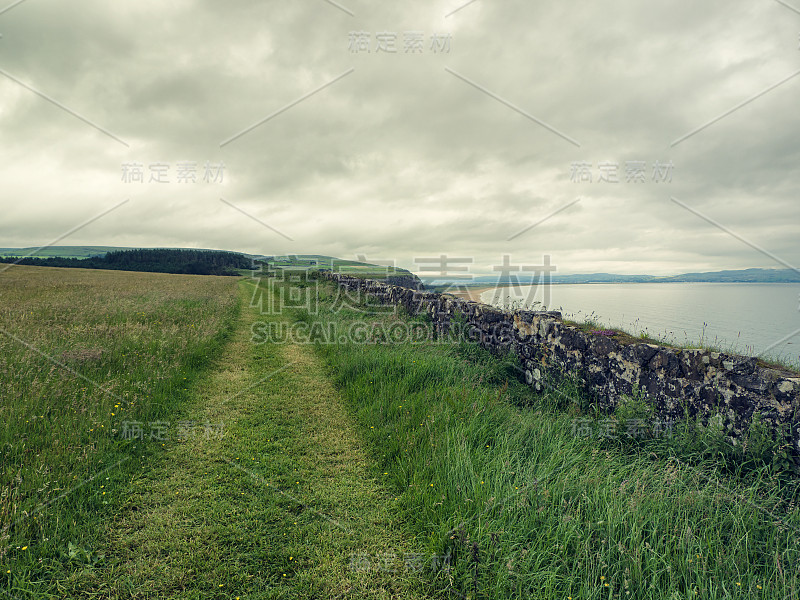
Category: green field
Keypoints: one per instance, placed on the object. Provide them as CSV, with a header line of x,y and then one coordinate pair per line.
x,y
347,267
340,460
62,251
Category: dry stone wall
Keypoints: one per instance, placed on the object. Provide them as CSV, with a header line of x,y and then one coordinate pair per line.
x,y
725,390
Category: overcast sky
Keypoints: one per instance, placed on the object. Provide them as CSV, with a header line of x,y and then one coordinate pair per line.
x,y
438,150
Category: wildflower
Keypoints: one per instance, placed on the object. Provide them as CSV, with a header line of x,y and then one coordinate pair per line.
x,y
24,547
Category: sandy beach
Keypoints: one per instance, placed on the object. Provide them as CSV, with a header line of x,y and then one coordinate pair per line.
x,y
472,294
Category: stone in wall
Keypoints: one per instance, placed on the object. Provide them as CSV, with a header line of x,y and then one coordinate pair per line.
x,y
709,386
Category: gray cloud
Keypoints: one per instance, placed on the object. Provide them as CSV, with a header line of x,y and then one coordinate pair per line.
x,y
401,158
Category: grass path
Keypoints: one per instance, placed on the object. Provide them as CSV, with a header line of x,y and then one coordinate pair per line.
x,y
274,509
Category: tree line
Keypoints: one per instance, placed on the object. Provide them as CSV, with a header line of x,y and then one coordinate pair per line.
x,y
191,262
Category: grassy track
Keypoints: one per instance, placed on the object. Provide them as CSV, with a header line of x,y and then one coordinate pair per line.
x,y
274,509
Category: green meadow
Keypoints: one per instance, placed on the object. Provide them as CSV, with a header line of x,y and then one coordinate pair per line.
x,y
167,436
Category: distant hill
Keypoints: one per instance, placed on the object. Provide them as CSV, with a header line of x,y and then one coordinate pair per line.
x,y
740,276
364,269
185,260
743,276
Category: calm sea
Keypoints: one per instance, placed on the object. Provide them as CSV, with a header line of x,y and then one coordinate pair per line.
x,y
756,319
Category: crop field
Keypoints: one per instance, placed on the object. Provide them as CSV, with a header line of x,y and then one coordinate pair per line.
x,y
82,352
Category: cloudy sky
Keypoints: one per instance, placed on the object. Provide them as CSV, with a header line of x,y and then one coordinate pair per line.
x,y
475,138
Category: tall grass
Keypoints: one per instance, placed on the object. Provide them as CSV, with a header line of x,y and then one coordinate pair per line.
x,y
81,353
492,475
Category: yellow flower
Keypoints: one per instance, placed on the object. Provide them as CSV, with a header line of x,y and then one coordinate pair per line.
x,y
24,547
602,577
